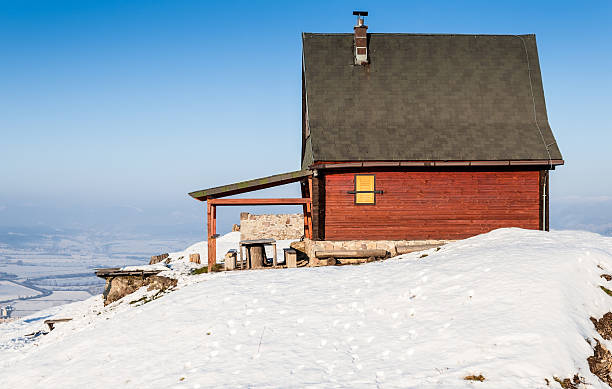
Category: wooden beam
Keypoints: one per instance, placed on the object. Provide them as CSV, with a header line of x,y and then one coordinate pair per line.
x,y
234,202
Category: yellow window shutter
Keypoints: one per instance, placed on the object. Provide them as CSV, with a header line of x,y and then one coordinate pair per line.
x,y
364,189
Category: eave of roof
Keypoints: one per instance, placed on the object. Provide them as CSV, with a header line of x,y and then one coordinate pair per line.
x,y
250,185
358,164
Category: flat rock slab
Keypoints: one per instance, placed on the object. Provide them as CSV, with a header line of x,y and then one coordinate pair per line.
x,y
120,286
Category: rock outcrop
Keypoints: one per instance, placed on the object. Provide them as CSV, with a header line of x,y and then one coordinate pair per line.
x,y
119,286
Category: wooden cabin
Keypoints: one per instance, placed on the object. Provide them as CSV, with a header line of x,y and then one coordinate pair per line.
x,y
416,136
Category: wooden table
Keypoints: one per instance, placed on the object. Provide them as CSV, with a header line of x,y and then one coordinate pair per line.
x,y
255,251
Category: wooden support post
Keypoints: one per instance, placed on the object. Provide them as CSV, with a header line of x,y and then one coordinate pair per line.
x,y
240,247
305,211
274,256
309,208
547,227
542,200
212,242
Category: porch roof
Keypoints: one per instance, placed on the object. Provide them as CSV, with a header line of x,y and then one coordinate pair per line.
x,y
250,185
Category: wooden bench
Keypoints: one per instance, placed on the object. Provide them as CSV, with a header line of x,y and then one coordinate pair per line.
x,y
349,257
51,322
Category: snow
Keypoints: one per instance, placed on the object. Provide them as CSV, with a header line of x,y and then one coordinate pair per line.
x,y
155,266
512,305
10,291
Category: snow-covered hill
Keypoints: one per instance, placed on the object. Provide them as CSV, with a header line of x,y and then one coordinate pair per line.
x,y
511,305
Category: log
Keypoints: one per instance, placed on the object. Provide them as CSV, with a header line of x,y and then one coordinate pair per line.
x,y
290,258
351,253
230,260
405,249
257,256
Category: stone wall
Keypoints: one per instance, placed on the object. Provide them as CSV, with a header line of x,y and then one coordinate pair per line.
x,y
279,227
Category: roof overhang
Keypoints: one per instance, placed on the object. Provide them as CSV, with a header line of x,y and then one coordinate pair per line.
x,y
545,163
250,185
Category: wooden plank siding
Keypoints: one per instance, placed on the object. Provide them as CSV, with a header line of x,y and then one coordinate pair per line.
x,y
431,205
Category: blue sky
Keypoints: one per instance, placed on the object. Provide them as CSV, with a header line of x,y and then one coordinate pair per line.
x,y
111,111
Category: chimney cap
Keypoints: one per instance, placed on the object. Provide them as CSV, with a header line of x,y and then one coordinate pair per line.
x,y
360,13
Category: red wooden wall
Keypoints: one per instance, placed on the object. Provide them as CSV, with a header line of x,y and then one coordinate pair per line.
x,y
432,205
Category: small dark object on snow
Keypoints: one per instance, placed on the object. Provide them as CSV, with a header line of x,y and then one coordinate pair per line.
x,y
607,277
569,383
608,291
478,377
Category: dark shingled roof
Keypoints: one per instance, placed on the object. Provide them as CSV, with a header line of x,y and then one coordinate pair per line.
x,y
426,98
